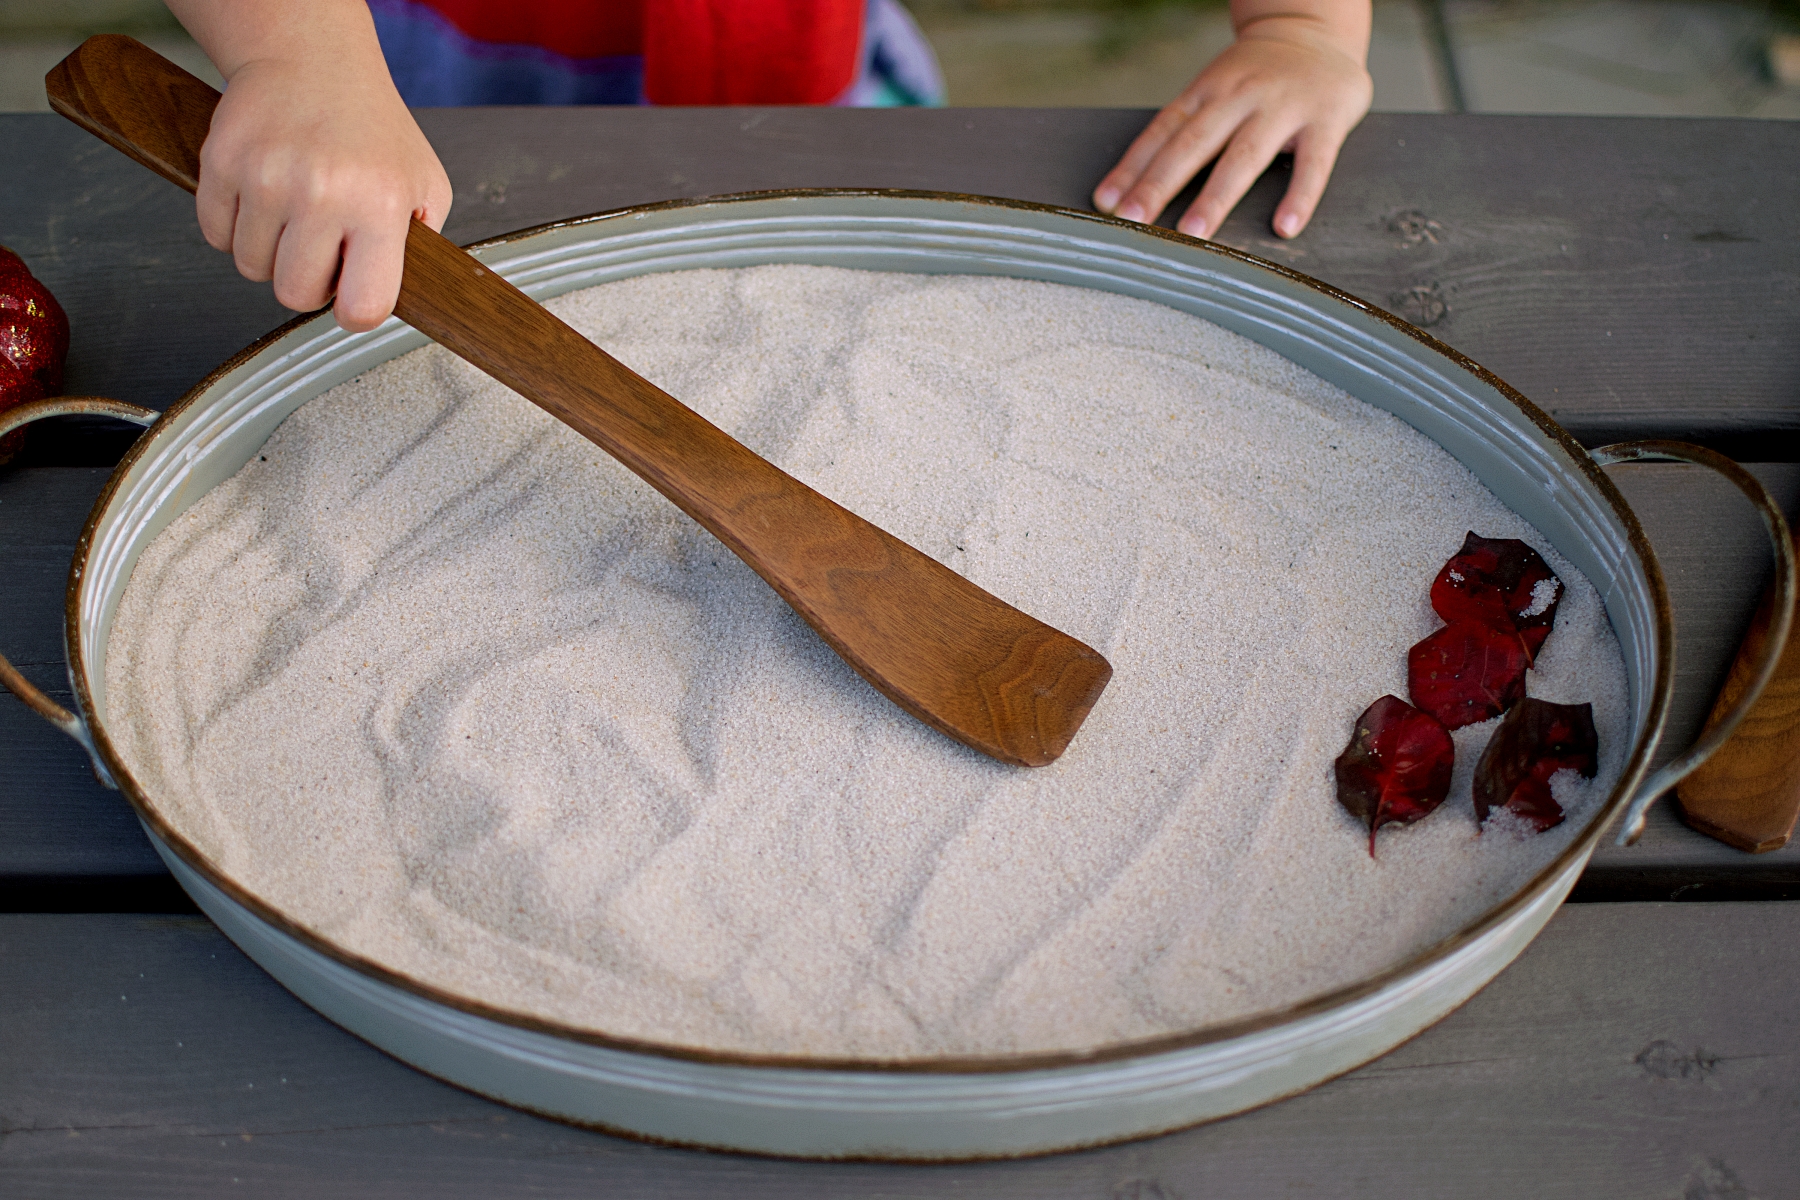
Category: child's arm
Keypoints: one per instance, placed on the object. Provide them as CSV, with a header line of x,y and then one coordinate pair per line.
x,y
1294,80
313,166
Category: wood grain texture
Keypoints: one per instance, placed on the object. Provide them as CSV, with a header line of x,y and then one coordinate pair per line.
x,y
55,820
1623,289
1748,794
1636,277
955,657
137,102
1633,1051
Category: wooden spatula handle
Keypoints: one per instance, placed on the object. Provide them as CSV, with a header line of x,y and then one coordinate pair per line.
x,y
160,116
459,303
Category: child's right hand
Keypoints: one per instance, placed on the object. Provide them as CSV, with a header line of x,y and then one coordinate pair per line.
x,y
1294,80
313,167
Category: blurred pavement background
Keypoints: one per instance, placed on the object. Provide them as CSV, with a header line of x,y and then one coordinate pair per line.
x,y
1625,57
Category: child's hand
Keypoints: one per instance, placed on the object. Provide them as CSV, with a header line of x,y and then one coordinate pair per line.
x,y
313,167
1292,81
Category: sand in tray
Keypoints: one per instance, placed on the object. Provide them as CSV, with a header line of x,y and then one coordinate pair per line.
x,y
437,679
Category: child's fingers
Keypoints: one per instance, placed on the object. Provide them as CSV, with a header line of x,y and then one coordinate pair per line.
x,y
216,204
1194,145
1252,149
370,281
1315,153
306,264
436,209
1139,154
256,234
239,209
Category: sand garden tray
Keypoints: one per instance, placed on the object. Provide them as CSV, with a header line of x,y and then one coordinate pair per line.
x,y
929,1109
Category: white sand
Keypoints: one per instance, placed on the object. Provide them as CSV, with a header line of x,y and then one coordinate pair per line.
x,y
442,682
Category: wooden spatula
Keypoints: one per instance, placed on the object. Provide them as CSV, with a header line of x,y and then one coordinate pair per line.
x,y
1748,794
947,652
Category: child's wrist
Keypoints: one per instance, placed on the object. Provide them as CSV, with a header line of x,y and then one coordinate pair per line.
x,y
1309,31
237,34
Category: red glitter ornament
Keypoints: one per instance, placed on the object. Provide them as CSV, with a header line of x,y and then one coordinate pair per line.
x,y
34,342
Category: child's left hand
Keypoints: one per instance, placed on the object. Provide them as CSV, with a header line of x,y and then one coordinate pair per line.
x,y
1291,82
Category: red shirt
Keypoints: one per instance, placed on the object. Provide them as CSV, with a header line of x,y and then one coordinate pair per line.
x,y
694,51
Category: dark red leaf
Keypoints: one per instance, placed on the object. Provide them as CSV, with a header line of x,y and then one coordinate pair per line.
x,y
34,342
1467,672
1536,740
1500,582
1396,768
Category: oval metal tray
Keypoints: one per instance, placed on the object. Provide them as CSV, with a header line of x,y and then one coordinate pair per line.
x,y
918,1110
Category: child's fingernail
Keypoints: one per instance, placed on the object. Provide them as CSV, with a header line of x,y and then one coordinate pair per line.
x,y
1131,211
1193,226
1105,198
1287,224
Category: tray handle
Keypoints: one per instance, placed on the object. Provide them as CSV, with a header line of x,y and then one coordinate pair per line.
x,y
17,684
1677,769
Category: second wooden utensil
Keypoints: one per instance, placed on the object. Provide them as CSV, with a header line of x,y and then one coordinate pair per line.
x,y
955,657
1748,794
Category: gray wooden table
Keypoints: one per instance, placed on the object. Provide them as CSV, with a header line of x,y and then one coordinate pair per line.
x,y
1635,277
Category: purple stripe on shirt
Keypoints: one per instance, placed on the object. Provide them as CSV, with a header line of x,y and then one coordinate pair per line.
x,y
436,64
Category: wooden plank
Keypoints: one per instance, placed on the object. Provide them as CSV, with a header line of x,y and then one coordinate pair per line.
x,y
511,173
1633,276
59,826
1634,1050
46,508
1612,269
56,821
151,307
